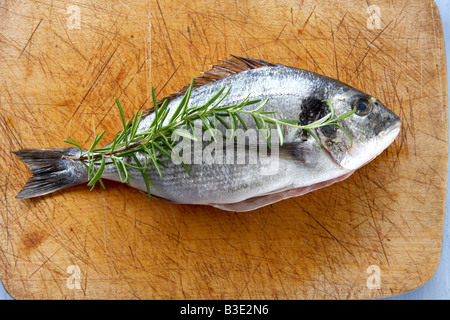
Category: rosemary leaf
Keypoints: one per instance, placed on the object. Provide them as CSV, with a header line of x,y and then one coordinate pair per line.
x,y
144,176
98,174
280,134
76,144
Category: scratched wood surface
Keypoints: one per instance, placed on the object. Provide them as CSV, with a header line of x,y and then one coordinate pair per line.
x,y
58,80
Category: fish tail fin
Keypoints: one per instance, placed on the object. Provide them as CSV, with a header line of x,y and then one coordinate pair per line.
x,y
50,171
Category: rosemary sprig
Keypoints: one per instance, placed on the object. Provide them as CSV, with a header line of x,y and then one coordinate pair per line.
x,y
156,139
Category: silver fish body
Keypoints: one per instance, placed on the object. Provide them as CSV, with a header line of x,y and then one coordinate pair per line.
x,y
299,166
241,187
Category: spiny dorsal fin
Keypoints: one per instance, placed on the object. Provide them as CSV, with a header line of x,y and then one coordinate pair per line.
x,y
229,67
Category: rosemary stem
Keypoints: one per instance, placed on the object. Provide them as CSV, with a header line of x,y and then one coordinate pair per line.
x,y
156,137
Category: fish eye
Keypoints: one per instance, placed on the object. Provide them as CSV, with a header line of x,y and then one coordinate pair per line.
x,y
363,107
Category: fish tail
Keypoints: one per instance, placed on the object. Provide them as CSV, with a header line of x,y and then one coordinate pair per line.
x,y
50,171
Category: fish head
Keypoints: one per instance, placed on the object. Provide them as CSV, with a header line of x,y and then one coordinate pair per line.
x,y
372,128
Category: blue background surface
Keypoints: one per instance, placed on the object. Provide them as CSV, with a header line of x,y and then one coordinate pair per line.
x,y
438,286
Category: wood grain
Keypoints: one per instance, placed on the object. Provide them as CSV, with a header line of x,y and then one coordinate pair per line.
x,y
57,83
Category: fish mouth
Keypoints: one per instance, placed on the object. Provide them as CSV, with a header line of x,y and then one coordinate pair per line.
x,y
358,155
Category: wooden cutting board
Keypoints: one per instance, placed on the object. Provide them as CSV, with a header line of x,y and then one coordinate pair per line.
x,y
376,234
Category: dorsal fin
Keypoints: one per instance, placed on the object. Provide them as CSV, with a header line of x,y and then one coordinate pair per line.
x,y
227,68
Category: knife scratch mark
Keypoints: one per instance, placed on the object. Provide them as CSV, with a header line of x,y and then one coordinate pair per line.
x,y
370,46
29,39
279,35
109,110
168,80
164,21
239,39
310,55
369,203
335,53
8,129
248,280
47,259
95,81
438,174
309,17
323,227
181,7
378,233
